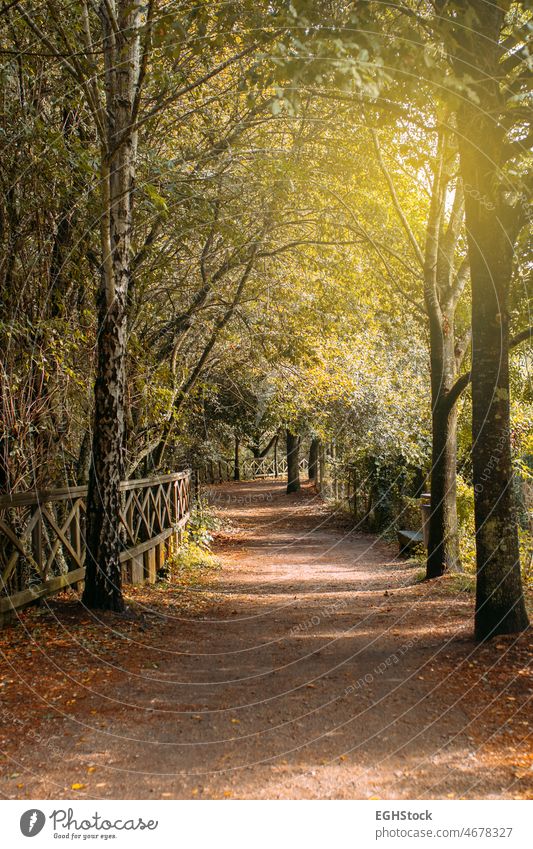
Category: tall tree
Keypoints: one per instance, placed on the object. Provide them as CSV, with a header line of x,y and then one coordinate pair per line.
x,y
107,49
124,71
443,272
484,49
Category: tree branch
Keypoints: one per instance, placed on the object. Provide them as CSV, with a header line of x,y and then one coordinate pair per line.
x,y
73,69
460,385
396,202
143,64
168,101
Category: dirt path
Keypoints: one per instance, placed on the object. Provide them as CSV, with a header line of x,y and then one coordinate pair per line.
x,y
318,669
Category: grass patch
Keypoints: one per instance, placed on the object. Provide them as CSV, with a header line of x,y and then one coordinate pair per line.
x,y
453,583
460,582
191,564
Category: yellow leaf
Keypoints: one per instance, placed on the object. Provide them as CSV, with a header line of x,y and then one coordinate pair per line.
x,y
77,786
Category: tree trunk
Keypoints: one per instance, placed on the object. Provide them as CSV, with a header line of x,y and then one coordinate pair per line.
x,y
276,455
500,607
321,466
492,227
237,470
293,462
443,285
313,459
444,281
443,543
103,572
335,473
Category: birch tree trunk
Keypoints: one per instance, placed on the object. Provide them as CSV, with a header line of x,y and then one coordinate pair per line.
x,y
120,30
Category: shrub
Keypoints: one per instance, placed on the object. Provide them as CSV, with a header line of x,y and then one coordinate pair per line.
x,y
193,558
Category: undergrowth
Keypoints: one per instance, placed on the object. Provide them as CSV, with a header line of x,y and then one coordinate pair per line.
x,y
191,563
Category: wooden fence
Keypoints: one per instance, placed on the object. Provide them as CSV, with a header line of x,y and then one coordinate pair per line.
x,y
217,471
269,467
42,536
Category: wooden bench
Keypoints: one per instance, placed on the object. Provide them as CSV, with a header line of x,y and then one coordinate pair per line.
x,y
409,541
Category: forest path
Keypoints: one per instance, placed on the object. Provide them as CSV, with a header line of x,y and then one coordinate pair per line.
x,y
319,669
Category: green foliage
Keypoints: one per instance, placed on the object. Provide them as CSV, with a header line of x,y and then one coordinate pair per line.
x,y
200,528
192,562
189,566
525,537
274,283
465,516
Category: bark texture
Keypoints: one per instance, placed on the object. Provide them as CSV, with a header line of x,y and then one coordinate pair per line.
x,y
313,459
237,469
293,462
121,57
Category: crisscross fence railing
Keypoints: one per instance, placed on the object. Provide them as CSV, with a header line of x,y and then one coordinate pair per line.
x,y
42,536
269,467
251,468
